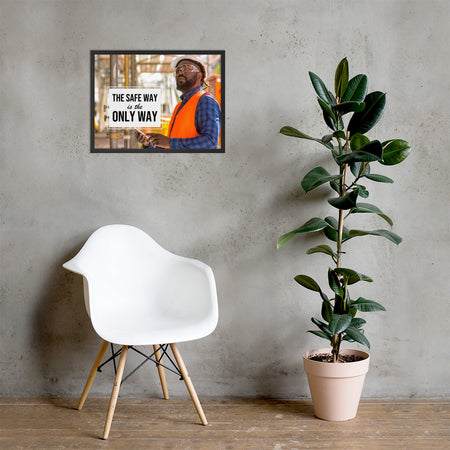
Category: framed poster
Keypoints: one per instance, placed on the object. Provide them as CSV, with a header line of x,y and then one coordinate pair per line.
x,y
157,101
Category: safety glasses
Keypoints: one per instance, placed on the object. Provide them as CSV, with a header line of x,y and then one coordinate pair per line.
x,y
186,68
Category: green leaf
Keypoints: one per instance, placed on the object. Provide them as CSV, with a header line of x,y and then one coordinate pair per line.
x,y
346,107
329,121
334,186
321,325
307,282
356,89
320,88
326,108
339,134
340,306
324,297
284,239
347,201
321,334
357,322
357,336
362,191
358,140
337,124
331,230
327,311
379,178
322,249
358,169
341,78
339,323
371,209
331,234
330,220
365,120
357,156
334,283
395,151
364,305
316,177
351,276
395,238
293,132
314,224
373,151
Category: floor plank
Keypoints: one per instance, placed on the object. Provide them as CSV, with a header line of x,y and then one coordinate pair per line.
x,y
54,423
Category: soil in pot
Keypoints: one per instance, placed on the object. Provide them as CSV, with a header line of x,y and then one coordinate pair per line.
x,y
328,357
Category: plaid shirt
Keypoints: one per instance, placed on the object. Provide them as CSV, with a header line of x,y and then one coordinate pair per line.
x,y
207,123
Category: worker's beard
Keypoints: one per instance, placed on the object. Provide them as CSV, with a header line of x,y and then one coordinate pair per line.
x,y
186,83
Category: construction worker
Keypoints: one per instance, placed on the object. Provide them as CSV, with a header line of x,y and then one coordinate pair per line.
x,y
195,122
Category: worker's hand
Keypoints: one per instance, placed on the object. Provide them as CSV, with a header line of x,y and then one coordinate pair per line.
x,y
159,140
144,140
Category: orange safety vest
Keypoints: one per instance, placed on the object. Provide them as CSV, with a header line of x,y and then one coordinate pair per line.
x,y
182,122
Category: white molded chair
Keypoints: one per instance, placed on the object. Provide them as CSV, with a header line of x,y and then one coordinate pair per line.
x,y
138,293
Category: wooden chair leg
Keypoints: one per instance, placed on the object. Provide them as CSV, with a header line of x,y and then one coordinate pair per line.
x,y
188,382
162,375
115,391
93,372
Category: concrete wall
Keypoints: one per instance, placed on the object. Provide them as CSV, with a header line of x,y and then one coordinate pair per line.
x,y
228,209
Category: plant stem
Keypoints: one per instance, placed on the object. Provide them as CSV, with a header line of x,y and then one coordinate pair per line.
x,y
336,347
339,242
337,337
342,191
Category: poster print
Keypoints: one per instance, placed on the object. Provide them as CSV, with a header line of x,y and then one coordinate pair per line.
x,y
157,101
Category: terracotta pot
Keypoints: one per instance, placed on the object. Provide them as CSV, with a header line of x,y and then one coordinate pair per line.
x,y
336,387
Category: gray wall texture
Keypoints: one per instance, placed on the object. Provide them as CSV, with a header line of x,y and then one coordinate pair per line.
x,y
225,209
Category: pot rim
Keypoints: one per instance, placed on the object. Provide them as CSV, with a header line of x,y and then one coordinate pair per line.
x,y
345,351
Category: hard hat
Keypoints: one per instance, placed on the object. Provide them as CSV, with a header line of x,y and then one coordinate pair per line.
x,y
192,58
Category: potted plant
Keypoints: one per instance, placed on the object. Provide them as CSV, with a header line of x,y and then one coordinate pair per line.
x,y
353,153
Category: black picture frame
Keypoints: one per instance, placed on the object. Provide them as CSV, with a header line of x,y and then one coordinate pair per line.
x,y
123,140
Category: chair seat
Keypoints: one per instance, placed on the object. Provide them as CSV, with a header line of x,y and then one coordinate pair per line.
x,y
129,331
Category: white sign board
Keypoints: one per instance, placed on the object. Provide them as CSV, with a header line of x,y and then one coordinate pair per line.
x,y
134,107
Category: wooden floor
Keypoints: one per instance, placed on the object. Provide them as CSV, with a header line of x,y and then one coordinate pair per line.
x,y
233,424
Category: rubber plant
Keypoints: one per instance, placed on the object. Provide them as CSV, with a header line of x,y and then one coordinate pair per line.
x,y
354,153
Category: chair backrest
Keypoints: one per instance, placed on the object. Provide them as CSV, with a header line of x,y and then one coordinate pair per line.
x,y
120,251
126,272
